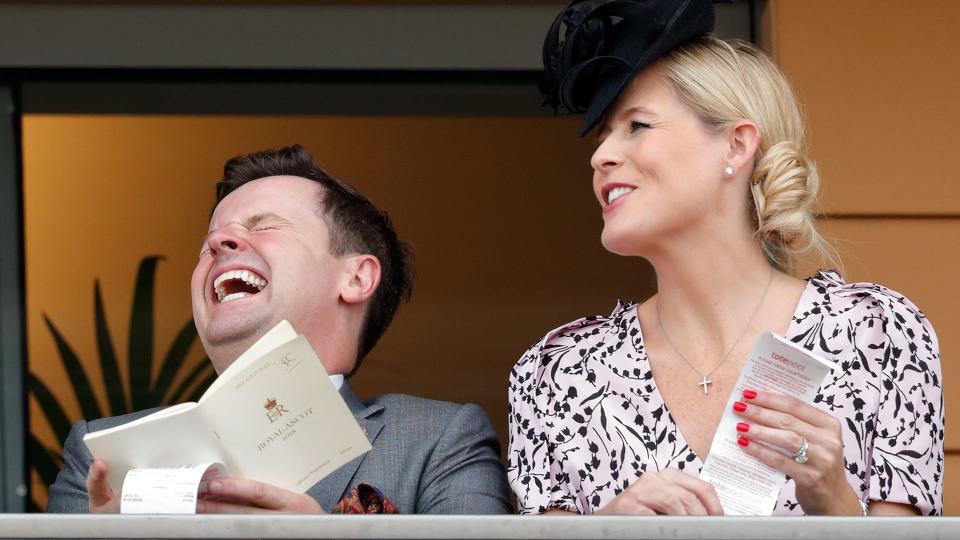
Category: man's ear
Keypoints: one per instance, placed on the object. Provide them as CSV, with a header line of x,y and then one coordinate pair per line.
x,y
362,278
743,139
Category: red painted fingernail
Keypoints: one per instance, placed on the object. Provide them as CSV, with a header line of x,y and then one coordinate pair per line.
x,y
749,394
739,406
743,441
743,427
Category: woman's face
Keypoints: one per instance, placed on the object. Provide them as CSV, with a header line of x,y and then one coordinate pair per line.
x,y
658,170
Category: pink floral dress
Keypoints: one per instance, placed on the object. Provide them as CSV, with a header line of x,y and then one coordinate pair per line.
x,y
586,418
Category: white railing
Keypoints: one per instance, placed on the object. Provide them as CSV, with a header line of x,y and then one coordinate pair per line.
x,y
476,527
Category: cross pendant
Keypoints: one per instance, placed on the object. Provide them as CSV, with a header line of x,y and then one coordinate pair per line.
x,y
705,383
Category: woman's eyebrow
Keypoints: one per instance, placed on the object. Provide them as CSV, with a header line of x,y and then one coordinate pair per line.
x,y
637,109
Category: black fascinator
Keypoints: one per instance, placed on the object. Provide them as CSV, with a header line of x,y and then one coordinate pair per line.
x,y
591,53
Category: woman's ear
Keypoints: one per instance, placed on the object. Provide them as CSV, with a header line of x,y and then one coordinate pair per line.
x,y
362,278
743,139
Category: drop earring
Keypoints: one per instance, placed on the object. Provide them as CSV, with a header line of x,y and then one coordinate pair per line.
x,y
728,171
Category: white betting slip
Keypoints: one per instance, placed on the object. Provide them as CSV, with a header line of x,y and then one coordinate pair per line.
x,y
172,490
745,485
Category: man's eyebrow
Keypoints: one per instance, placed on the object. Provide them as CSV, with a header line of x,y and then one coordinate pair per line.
x,y
254,220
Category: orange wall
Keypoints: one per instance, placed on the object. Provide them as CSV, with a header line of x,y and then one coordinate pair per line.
x,y
880,85
500,212
499,209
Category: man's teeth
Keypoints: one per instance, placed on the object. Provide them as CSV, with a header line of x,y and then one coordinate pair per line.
x,y
234,296
617,192
246,276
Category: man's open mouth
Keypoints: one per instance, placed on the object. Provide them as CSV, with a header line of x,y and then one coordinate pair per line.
x,y
236,284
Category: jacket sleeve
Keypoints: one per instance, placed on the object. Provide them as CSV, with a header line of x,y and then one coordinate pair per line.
x,y
68,494
464,474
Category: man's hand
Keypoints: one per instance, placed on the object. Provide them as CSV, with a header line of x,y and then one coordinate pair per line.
x,y
102,500
241,496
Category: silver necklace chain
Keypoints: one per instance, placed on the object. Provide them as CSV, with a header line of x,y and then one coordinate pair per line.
x,y
705,381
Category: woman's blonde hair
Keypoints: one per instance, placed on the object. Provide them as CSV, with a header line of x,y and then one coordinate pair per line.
x,y
725,82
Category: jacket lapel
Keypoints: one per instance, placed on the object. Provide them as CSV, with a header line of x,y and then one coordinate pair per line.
x,y
330,489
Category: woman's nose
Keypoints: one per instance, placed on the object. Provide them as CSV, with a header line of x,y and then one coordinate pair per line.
x,y
605,157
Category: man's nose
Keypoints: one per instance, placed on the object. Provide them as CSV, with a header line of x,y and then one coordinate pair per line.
x,y
226,239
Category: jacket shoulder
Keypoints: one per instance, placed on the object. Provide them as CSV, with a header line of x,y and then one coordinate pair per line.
x,y
114,421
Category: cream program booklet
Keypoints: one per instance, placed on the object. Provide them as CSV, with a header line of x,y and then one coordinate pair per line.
x,y
272,416
745,485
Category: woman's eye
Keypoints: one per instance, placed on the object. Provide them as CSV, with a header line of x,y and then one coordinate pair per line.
x,y
637,126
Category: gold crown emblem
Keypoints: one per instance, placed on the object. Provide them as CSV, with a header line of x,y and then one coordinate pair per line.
x,y
271,403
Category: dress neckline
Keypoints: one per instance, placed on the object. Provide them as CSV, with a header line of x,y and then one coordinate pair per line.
x,y
808,289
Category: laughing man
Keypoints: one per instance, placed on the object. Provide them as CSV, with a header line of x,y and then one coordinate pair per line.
x,y
303,246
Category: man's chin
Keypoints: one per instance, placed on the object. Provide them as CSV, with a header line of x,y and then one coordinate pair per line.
x,y
232,334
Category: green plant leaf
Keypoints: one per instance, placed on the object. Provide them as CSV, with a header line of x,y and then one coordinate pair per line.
x,y
43,461
140,344
78,377
180,394
202,387
108,358
173,361
50,406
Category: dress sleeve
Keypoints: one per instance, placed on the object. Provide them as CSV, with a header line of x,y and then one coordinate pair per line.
x,y
907,455
536,478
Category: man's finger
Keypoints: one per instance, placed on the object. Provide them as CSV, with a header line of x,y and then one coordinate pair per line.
x,y
217,507
97,487
248,491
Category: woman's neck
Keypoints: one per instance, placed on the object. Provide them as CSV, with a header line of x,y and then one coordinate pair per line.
x,y
709,291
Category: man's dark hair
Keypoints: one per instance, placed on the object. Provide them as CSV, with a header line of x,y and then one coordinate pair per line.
x,y
355,225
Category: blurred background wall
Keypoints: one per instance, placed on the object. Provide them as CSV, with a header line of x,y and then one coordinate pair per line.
x,y
494,194
879,84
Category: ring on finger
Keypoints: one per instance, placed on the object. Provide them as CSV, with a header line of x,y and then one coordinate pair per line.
x,y
800,456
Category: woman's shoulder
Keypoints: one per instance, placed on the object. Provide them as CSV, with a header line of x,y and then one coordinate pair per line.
x,y
868,306
577,336
862,297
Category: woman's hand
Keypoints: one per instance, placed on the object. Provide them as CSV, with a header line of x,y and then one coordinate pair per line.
x,y
666,492
786,422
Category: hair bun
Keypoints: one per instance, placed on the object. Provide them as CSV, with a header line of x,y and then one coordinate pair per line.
x,y
785,184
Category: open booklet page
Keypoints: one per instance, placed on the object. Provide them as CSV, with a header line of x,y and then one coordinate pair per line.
x,y
283,421
273,416
168,440
745,485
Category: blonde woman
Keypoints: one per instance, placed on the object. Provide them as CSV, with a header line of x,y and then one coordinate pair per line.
x,y
701,168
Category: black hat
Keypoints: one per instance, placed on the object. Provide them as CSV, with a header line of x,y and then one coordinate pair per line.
x,y
604,47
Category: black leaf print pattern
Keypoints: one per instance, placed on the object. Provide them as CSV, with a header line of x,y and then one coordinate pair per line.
x,y
886,393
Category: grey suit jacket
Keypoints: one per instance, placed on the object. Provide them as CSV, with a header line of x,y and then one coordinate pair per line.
x,y
428,457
